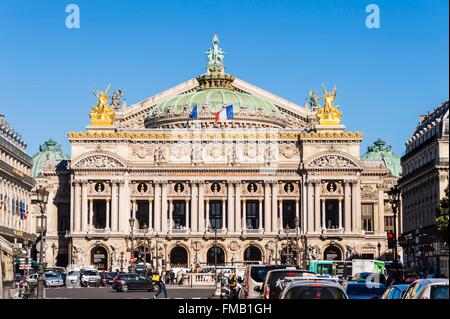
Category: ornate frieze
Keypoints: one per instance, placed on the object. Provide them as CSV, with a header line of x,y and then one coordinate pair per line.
x,y
99,161
332,161
369,191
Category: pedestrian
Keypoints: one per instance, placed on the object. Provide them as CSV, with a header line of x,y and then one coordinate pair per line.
x,y
162,286
232,284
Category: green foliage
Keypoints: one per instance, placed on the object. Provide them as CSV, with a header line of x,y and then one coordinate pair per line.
x,y
442,217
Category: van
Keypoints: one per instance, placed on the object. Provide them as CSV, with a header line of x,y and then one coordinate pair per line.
x,y
254,279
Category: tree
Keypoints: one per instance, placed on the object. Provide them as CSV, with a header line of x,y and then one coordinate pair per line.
x,y
442,218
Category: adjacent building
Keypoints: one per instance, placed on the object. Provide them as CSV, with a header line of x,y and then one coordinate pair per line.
x,y
425,168
15,186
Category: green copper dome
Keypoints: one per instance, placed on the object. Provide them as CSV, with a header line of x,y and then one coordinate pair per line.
x,y
379,151
50,154
215,99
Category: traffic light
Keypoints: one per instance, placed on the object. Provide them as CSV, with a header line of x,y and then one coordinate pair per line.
x,y
391,240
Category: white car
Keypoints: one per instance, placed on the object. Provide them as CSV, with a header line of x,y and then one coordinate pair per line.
x,y
90,277
73,279
53,279
32,279
436,288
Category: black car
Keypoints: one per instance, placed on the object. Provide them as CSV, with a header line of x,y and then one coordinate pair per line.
x,y
125,282
108,278
273,282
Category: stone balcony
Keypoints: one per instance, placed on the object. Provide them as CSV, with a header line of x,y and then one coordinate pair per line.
x,y
332,232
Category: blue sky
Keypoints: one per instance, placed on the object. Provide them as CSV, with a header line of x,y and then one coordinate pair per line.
x,y
385,77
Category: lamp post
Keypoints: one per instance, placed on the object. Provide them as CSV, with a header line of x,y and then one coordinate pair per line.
x,y
297,228
53,252
211,228
121,261
145,248
41,200
379,251
288,246
131,221
394,199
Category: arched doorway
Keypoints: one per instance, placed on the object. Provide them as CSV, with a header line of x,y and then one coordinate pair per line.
x,y
215,256
99,257
252,253
179,257
332,253
142,252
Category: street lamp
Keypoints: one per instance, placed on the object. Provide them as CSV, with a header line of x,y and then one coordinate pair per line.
x,y
288,246
41,200
121,261
211,228
145,227
379,251
297,228
394,199
131,221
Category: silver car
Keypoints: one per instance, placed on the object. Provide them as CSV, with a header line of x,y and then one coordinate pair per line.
x,y
436,288
53,279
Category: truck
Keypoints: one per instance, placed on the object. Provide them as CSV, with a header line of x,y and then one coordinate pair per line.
x,y
368,265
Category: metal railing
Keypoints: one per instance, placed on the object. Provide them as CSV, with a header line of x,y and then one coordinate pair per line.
x,y
199,280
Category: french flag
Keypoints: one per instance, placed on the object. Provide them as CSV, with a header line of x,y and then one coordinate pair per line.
x,y
225,114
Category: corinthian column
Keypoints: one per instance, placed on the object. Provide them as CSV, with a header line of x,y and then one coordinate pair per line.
x,y
267,221
317,207
77,208
114,207
157,212
164,208
310,195
237,198
274,227
230,194
347,207
201,207
84,206
194,207
380,212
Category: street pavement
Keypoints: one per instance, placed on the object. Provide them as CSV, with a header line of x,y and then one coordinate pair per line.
x,y
109,293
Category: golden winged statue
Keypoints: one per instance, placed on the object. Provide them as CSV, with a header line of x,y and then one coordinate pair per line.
x,y
102,114
329,114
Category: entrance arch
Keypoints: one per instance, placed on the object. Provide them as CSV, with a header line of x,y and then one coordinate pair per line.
x,y
179,257
99,257
140,252
252,253
215,256
332,252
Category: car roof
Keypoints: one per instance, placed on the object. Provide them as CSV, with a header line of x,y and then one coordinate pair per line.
x,y
432,280
297,283
360,283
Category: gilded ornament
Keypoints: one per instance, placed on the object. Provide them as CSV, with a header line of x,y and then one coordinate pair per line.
x,y
329,114
102,114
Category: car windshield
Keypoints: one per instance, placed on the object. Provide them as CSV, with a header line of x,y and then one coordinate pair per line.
x,y
315,292
276,281
52,275
73,273
368,289
258,273
439,292
90,273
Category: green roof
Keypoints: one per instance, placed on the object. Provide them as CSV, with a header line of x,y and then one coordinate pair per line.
x,y
50,154
379,151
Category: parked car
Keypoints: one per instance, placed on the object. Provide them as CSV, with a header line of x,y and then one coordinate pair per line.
x,y
32,279
90,277
272,287
53,279
369,277
109,277
254,276
125,282
364,290
306,289
433,288
73,279
395,291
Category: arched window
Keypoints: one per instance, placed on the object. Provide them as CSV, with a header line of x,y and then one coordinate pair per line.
x,y
332,253
215,256
179,257
99,257
252,253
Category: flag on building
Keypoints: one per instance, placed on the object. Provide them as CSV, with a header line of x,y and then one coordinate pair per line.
x,y
225,114
193,115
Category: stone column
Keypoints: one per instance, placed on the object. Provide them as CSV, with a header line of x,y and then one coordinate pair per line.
x,y
158,213
317,206
297,208
77,208
347,207
124,204
310,191
237,198
274,226
107,214
170,215
114,208
244,215
72,203
164,208
260,214
187,213
358,206
150,214
84,206
91,213
201,207
194,206
267,220
354,213
230,212
324,221
340,213
223,213
380,212
230,194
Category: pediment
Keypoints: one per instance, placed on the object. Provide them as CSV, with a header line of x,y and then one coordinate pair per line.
x,y
98,161
332,161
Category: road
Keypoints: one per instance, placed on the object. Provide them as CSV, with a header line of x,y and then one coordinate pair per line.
x,y
109,293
